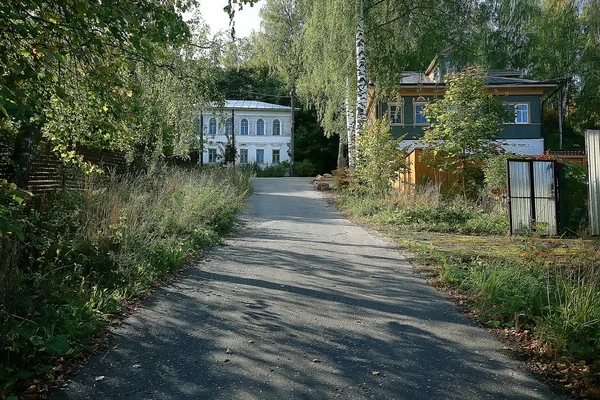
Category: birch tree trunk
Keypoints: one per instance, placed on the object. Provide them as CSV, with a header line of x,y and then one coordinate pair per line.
x,y
562,109
341,160
361,77
350,127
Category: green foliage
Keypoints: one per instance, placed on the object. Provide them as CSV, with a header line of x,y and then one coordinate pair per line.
x,y
464,125
495,172
427,210
306,168
560,303
88,252
380,157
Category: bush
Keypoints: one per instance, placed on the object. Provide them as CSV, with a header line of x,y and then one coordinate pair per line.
x,y
380,158
305,168
495,172
87,252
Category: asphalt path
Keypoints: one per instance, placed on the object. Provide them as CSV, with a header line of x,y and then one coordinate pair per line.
x,y
302,304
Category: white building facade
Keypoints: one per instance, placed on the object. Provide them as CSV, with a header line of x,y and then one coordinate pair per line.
x,y
262,132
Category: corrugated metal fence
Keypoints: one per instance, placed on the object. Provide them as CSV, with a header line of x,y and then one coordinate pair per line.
x,y
533,196
592,145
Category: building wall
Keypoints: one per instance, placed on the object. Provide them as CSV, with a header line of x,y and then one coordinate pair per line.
x,y
533,130
252,142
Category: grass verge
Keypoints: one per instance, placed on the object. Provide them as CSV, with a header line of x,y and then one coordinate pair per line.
x,y
83,255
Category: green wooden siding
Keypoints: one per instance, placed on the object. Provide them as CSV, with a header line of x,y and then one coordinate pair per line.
x,y
533,130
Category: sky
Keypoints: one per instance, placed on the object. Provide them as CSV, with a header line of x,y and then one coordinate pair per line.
x,y
246,20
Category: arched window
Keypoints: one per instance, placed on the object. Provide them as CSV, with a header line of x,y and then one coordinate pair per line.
x,y
228,126
260,127
212,126
276,127
244,127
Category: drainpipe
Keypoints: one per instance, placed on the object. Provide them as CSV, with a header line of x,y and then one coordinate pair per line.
x,y
542,108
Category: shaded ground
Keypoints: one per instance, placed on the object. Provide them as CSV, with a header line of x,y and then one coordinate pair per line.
x,y
310,306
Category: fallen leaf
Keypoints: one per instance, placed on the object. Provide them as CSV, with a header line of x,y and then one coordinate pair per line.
x,y
316,360
228,351
376,373
250,341
226,360
99,378
137,366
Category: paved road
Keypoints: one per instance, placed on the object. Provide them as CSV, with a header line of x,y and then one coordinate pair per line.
x,y
310,306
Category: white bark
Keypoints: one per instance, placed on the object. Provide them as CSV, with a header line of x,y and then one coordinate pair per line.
x,y
562,109
361,77
350,127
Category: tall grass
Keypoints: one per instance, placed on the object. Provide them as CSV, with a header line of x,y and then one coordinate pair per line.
x,y
426,209
86,253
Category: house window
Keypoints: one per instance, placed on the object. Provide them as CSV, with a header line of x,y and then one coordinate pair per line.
x,y
420,118
212,155
212,126
244,127
276,156
260,127
260,156
244,155
228,126
395,114
520,112
276,127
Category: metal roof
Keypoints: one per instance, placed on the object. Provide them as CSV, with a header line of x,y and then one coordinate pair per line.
x,y
254,105
493,78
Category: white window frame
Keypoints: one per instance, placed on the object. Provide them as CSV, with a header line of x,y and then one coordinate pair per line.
x,y
263,127
212,126
415,104
247,130
243,156
229,126
278,122
278,152
263,156
400,114
212,151
515,104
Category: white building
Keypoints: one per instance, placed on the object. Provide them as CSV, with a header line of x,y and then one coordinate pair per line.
x,y
262,131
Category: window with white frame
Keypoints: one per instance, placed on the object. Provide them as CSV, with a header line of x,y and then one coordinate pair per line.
x,y
212,126
260,156
395,113
244,127
419,115
260,127
212,155
244,156
276,128
276,156
520,112
228,126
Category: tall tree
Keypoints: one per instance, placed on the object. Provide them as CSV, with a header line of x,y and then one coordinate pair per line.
x,y
46,46
556,48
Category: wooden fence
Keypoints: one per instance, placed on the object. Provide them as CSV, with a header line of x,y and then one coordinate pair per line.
x,y
420,171
49,173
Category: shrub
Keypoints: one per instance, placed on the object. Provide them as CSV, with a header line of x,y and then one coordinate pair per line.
x,y
379,159
305,168
86,252
495,172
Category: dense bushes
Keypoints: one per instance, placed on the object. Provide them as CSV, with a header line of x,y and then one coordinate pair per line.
x,y
84,253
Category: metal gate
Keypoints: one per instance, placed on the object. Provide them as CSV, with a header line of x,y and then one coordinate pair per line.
x,y
533,196
592,148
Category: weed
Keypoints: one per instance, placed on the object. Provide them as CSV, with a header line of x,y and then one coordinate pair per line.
x,y
84,253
